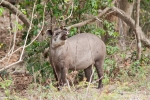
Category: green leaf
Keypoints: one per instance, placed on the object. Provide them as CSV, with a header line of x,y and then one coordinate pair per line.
x,y
23,11
1,11
66,1
18,26
1,44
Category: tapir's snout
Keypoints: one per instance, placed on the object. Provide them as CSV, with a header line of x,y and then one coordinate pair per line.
x,y
64,36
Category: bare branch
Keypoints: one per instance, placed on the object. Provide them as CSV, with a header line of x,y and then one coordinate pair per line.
x,y
14,39
4,68
69,15
122,15
20,60
129,21
91,20
28,31
14,10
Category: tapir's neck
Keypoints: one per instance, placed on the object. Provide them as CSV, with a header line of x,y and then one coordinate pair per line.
x,y
60,51
58,46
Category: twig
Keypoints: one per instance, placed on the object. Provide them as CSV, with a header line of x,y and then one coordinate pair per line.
x,y
28,30
68,86
131,43
88,21
97,80
109,13
89,83
10,65
69,15
14,39
91,20
98,19
10,41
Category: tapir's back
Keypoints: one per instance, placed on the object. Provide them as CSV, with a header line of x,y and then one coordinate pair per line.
x,y
85,49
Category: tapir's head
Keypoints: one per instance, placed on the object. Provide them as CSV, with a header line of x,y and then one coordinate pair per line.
x,y
58,37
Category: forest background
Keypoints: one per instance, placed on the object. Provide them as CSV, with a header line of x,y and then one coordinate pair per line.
x,y
124,26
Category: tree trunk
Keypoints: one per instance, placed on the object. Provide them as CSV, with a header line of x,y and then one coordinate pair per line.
x,y
123,28
138,38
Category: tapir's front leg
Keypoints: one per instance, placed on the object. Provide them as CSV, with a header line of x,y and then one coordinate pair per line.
x,y
64,72
57,74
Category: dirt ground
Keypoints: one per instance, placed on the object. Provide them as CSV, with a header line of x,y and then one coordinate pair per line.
x,y
109,92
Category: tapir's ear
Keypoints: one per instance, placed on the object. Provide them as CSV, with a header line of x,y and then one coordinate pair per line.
x,y
49,32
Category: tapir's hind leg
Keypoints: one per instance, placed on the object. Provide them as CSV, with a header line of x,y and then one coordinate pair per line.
x,y
88,73
99,68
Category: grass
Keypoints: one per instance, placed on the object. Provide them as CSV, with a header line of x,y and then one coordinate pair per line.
x,y
123,87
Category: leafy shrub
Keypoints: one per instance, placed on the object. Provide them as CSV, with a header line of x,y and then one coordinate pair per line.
x,y
36,64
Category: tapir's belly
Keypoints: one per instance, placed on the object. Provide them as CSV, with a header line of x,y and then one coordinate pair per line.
x,y
81,64
82,58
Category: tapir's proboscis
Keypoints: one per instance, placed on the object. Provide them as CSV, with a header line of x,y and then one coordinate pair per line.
x,y
79,52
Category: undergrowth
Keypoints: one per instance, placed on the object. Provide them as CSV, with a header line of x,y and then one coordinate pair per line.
x,y
121,77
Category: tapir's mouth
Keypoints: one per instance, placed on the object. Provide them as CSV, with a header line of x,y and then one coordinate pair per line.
x,y
64,37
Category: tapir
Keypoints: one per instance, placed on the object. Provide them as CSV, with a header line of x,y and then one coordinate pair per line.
x,y
79,52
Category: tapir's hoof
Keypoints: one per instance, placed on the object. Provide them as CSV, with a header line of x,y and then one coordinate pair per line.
x,y
59,88
100,86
